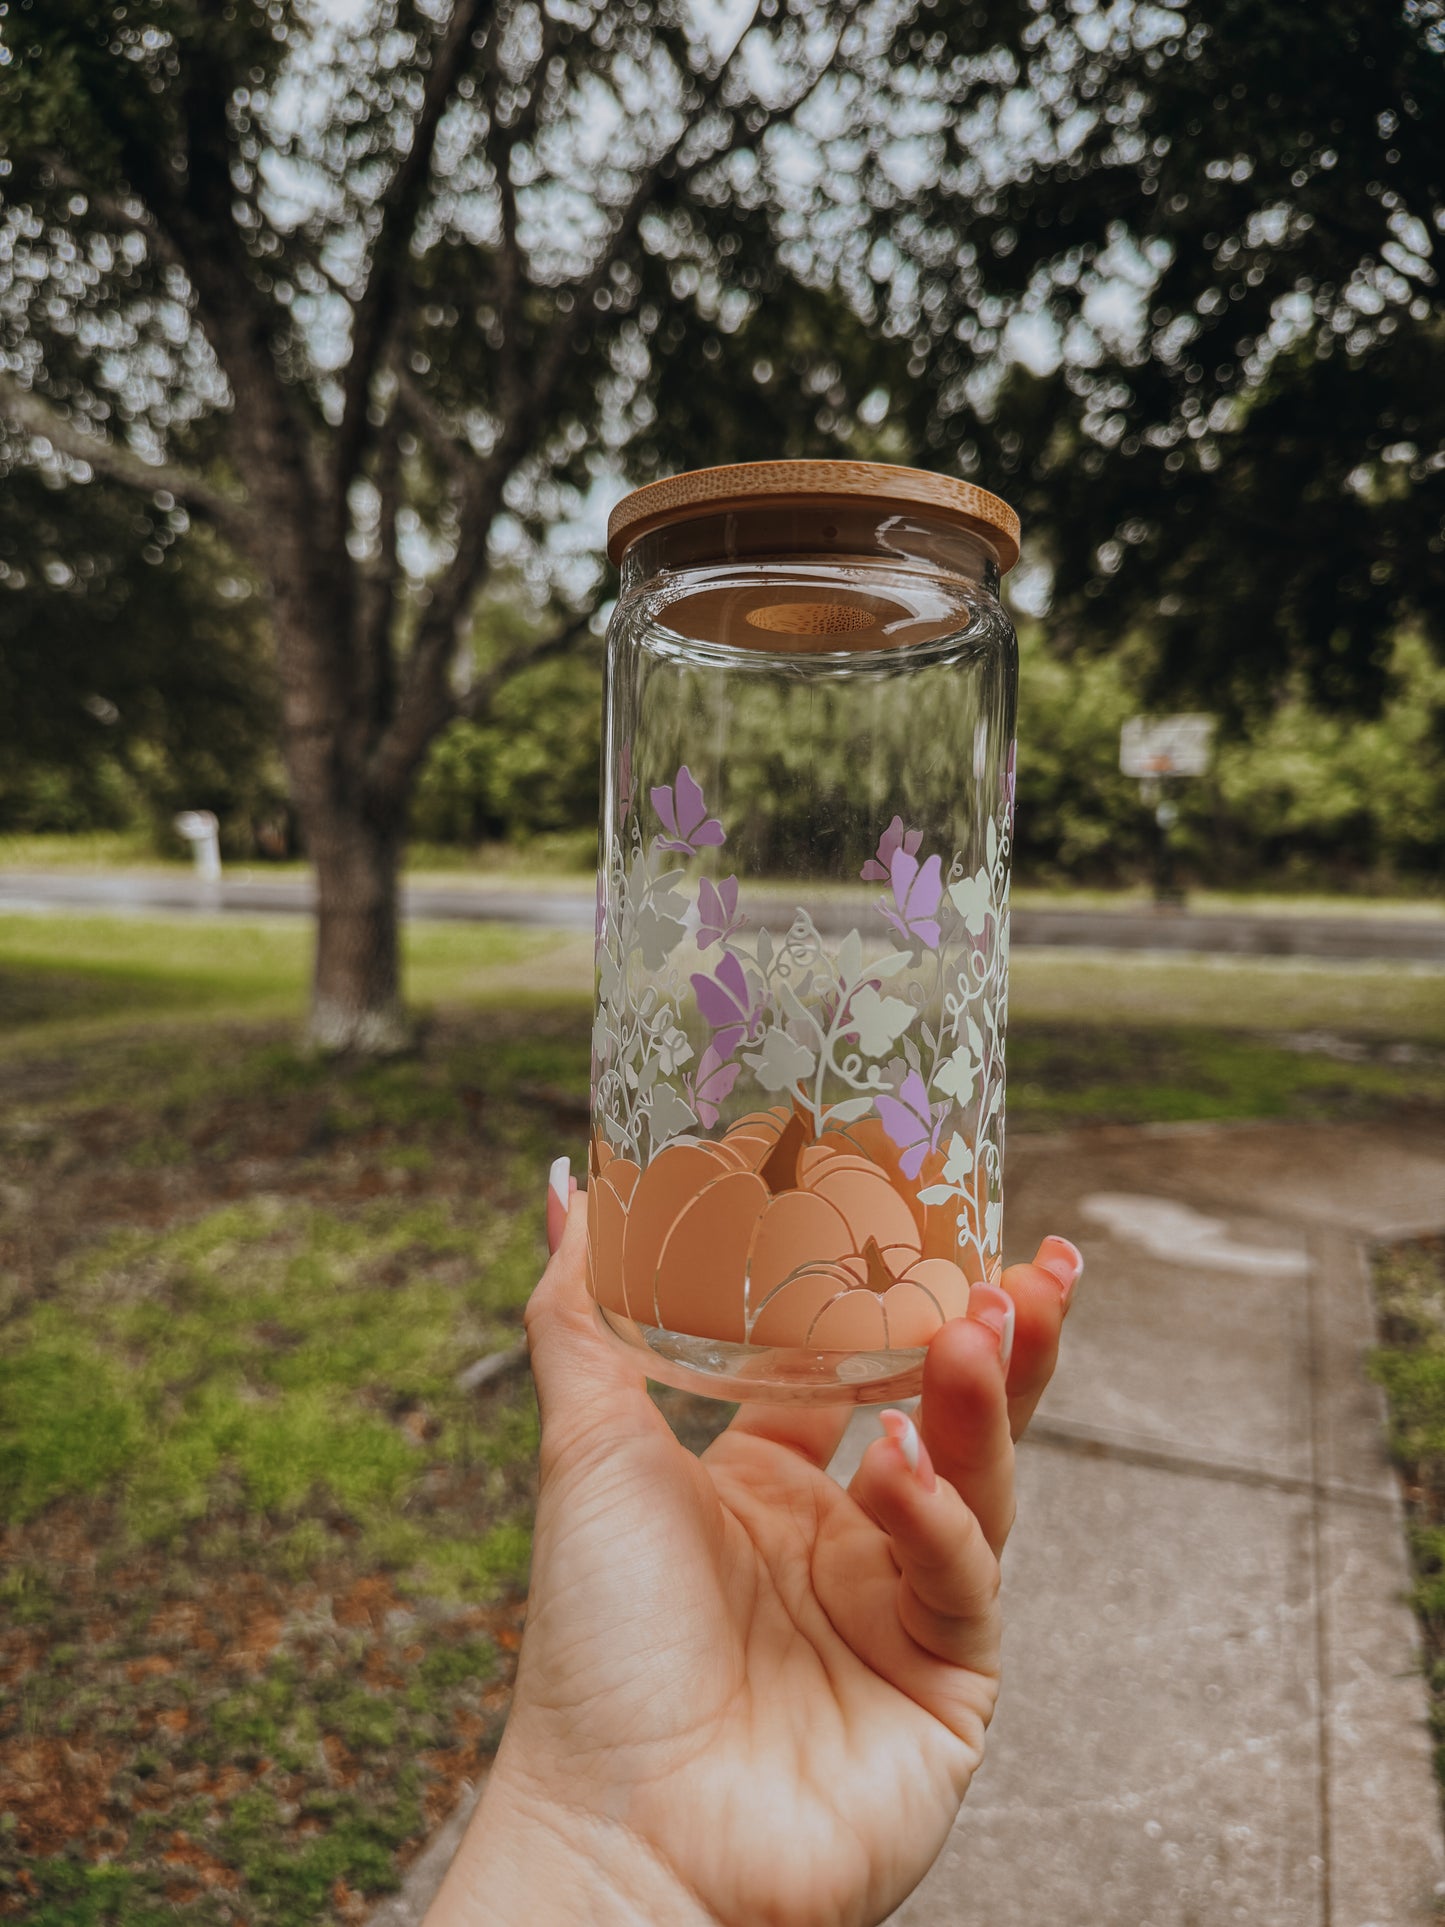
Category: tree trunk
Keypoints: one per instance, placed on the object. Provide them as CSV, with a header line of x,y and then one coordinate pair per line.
x,y
354,842
355,999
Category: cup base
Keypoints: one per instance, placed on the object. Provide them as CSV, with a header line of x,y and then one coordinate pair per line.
x,y
777,1375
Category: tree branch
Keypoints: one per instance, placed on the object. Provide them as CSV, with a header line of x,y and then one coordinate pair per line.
x,y
509,138
478,700
425,698
39,418
484,494
427,706
374,315
193,209
445,444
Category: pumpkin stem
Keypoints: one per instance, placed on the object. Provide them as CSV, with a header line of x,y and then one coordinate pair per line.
x,y
880,1278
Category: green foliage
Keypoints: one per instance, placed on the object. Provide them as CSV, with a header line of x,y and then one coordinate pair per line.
x,y
1224,228
529,768
1297,791
135,670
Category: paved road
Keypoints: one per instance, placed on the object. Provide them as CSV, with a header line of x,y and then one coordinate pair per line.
x,y
1419,940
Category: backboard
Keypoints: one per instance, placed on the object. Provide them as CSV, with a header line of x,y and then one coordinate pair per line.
x,y
1166,745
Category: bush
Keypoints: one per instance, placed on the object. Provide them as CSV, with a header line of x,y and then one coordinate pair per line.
x,y
531,768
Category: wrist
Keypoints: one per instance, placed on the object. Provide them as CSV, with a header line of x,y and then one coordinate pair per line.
x,y
531,1859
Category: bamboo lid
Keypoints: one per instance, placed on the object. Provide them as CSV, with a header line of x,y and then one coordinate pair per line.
x,y
742,485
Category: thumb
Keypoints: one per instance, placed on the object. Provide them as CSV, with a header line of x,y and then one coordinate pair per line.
x,y
587,1387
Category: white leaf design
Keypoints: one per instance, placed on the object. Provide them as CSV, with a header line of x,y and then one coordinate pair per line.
x,y
879,1021
669,1116
959,1161
781,1063
955,1075
851,1111
936,1194
890,965
973,900
850,957
609,978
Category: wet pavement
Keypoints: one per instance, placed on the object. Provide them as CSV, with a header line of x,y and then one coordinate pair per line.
x,y
1262,933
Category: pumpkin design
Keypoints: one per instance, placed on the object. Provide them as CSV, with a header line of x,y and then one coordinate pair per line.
x,y
772,1236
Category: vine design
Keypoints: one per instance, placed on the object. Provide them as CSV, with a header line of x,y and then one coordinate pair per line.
x,y
914,1036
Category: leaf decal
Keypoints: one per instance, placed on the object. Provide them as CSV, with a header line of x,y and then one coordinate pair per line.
x,y
782,1063
877,1020
973,901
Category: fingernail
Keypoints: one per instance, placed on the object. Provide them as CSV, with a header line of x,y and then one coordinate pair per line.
x,y
559,1190
1064,1262
904,1434
991,1306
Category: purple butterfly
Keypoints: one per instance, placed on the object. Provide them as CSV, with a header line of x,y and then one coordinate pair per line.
x,y
726,1001
714,1081
912,1122
917,890
684,815
717,911
893,839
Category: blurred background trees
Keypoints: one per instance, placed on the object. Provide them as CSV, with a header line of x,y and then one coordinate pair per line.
x,y
329,330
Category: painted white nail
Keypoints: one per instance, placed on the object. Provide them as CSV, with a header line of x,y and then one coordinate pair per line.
x,y
1006,1339
558,1179
904,1433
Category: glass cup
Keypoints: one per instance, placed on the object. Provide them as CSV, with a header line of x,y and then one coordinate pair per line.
x,y
796,1160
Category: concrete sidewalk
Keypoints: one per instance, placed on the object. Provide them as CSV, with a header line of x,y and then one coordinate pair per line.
x,y
1212,1709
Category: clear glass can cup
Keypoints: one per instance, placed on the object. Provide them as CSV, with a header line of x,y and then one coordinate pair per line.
x,y
802,925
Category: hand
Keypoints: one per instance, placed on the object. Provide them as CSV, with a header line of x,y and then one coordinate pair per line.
x,y
745,1694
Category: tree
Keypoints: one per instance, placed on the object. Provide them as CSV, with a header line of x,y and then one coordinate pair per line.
x,y
1172,285
182,715
365,289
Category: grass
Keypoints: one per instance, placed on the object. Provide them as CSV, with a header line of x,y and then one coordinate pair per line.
x,y
76,973
260,1560
1410,1364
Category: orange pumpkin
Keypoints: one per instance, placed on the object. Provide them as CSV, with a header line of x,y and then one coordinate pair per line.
x,y
764,1237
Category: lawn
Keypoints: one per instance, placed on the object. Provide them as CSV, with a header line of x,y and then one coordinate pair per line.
x,y
262,1557
1410,1364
